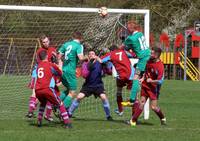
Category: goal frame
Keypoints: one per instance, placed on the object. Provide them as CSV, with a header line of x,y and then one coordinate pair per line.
x,y
145,12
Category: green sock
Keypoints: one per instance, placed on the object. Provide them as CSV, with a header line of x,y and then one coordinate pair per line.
x,y
134,90
67,101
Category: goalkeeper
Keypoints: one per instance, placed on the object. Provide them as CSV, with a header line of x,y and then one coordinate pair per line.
x,y
93,86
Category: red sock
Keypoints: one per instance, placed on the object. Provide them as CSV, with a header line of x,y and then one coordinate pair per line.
x,y
135,106
64,114
119,100
32,104
48,109
40,113
159,113
137,113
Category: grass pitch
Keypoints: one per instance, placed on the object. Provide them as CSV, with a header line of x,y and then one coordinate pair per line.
x,y
179,100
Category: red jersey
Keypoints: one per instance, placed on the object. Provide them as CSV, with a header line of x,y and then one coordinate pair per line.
x,y
46,73
50,52
155,71
121,63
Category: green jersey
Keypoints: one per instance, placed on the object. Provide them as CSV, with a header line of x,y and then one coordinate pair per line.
x,y
137,43
71,50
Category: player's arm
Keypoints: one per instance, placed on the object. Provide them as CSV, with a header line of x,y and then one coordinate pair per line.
x,y
80,55
56,70
54,56
104,59
61,53
160,77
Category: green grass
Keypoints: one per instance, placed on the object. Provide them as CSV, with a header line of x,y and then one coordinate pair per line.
x,y
179,100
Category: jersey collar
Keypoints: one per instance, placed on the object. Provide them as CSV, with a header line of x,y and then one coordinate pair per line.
x,y
135,32
76,40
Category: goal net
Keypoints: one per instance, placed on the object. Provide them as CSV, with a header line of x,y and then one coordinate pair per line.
x,y
22,25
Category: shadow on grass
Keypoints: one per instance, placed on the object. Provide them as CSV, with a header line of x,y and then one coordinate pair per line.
x,y
45,123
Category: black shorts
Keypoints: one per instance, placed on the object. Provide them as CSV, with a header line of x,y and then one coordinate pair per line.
x,y
96,91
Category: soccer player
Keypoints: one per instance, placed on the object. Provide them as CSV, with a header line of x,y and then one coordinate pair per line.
x,y
52,57
151,85
125,71
136,42
72,52
45,88
93,85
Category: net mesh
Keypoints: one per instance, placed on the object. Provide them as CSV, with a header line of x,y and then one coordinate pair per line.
x,y
19,41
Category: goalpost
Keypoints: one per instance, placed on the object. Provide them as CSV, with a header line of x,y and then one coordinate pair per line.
x,y
20,29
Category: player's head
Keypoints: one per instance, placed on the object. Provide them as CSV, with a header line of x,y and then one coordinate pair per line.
x,y
133,26
77,36
91,54
43,55
44,41
155,53
113,47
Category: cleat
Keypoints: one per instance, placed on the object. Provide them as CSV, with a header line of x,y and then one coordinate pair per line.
x,y
127,104
109,118
131,123
118,112
68,126
39,123
30,115
50,119
163,121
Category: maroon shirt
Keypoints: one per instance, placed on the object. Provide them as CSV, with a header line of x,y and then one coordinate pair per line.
x,y
46,73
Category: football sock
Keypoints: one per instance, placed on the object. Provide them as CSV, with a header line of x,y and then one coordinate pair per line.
x,y
159,113
106,107
32,104
119,100
67,101
134,90
40,113
135,106
64,114
73,106
137,113
48,109
63,95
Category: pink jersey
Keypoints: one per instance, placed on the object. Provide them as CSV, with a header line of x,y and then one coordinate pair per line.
x,y
46,73
155,71
50,52
121,63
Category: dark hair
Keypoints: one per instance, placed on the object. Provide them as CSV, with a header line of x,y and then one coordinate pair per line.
x,y
113,47
157,50
77,35
42,37
43,54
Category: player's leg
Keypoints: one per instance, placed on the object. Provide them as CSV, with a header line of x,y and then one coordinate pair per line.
x,y
53,98
106,106
155,107
158,111
71,84
120,109
32,99
48,113
119,97
75,103
41,97
139,108
140,68
32,104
